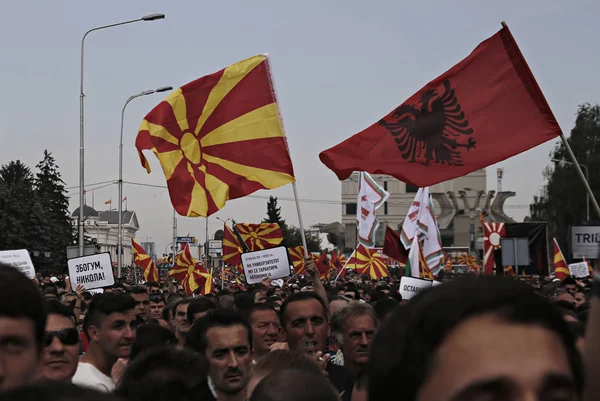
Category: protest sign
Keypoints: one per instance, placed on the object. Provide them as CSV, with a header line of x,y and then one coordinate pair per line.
x,y
93,271
19,259
579,269
272,263
410,286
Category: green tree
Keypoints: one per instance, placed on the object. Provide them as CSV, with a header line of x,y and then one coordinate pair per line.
x,y
52,196
562,200
16,205
291,234
313,242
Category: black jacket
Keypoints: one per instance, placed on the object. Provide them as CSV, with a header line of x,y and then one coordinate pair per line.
x,y
342,380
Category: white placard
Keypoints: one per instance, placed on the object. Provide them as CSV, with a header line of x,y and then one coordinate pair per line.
x,y
272,263
579,269
20,259
410,286
215,244
94,271
96,291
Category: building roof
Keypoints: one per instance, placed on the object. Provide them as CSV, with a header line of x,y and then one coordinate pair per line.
x,y
112,216
87,212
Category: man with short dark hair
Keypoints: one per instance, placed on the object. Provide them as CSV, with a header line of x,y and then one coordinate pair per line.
x,y
180,322
199,307
304,319
61,346
224,338
157,303
22,326
110,325
265,327
142,302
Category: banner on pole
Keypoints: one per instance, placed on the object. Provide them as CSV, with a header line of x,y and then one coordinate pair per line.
x,y
273,263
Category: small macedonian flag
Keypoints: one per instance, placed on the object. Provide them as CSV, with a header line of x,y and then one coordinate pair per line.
x,y
368,261
218,138
260,236
297,258
142,260
191,275
232,249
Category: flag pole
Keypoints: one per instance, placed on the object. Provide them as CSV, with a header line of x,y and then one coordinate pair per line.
x,y
346,264
302,235
571,155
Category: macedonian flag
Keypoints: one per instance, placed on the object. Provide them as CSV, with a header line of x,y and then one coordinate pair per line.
x,y
260,236
142,260
187,270
218,138
232,249
368,261
297,258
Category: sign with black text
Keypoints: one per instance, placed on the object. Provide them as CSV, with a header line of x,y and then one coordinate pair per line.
x,y
579,270
410,286
272,263
93,271
19,259
585,242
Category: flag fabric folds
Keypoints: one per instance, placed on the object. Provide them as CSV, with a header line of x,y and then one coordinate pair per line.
x,y
260,236
297,258
368,261
232,249
392,246
142,260
187,271
370,197
561,269
322,262
472,116
338,262
411,226
218,138
417,264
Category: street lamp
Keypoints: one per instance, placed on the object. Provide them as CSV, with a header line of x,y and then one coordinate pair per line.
x,y
587,178
151,17
120,183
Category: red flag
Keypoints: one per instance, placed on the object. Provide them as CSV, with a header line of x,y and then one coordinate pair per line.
x,y
392,246
485,109
322,263
338,262
143,261
561,270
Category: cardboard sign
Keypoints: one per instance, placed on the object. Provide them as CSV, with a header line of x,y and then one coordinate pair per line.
x,y
19,259
272,263
94,271
410,286
579,269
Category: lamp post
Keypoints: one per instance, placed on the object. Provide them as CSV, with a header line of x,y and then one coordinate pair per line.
x,y
587,178
120,183
151,17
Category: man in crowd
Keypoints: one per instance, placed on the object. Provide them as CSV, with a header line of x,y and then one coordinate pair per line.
x,y
265,327
180,322
157,303
304,319
353,327
224,338
22,326
142,302
110,325
199,307
61,344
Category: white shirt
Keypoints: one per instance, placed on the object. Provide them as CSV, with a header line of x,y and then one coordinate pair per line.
x,y
87,375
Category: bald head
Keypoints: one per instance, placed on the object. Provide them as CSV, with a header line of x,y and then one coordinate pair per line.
x,y
294,385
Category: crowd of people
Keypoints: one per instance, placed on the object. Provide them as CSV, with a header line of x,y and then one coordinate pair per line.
x,y
471,338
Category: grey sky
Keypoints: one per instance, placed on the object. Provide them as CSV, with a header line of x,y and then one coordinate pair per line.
x,y
338,66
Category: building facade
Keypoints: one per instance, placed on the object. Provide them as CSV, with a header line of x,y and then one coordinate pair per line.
x,y
102,229
460,230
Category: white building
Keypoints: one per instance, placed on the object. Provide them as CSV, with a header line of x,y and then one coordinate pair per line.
x,y
102,228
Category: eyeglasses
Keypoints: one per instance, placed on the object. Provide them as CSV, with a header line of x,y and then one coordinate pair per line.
x,y
66,336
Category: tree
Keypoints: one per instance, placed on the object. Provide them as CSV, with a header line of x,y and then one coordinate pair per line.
x,y
16,205
291,234
52,196
562,200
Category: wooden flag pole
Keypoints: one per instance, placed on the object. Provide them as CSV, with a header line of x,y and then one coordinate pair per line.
x,y
576,164
300,220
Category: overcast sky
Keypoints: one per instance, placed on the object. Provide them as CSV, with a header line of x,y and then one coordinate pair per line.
x,y
338,66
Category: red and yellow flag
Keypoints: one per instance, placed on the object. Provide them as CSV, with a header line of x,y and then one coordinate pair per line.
x,y
187,270
260,236
322,262
208,286
232,249
142,260
561,270
218,138
368,261
297,258
338,261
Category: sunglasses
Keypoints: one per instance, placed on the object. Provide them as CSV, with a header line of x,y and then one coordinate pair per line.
x,y
66,336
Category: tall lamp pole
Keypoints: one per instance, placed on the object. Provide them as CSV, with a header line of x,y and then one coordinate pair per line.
x,y
120,223
151,17
587,178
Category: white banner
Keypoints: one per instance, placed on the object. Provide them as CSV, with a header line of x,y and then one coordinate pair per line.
x,y
19,259
579,269
94,271
585,242
272,263
410,286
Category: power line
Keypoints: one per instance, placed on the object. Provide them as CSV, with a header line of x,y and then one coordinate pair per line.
x,y
91,185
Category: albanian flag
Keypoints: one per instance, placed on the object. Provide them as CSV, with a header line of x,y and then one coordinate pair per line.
x,y
338,261
297,258
218,138
322,263
260,236
142,260
485,109
187,270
